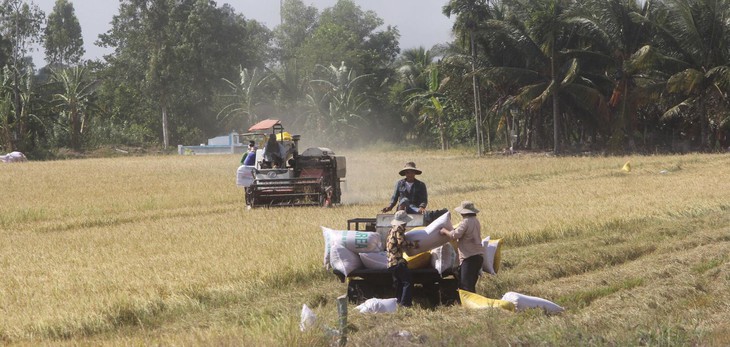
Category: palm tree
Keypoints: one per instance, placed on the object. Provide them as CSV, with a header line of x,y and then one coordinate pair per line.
x,y
469,14
696,33
413,67
431,103
619,44
544,62
75,100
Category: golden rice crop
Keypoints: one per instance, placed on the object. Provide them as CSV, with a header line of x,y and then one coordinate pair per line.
x,y
162,250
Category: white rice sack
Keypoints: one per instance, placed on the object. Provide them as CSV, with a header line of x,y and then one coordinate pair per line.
x,y
420,241
492,255
444,221
344,260
326,236
376,305
442,258
523,302
308,318
13,157
356,241
375,260
244,176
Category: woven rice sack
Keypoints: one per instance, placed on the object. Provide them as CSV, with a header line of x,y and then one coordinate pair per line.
x,y
375,260
355,241
418,261
427,239
476,301
492,255
443,258
344,260
523,302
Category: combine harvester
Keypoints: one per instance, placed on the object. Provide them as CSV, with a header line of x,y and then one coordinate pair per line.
x,y
284,177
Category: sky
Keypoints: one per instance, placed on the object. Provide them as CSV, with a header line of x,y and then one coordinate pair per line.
x,y
420,22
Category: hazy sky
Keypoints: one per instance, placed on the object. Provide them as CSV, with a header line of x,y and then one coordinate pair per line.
x,y
420,22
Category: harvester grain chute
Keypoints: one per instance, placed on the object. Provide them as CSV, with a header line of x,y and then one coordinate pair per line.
x,y
282,176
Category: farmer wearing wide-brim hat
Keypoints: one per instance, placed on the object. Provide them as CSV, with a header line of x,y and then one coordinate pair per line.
x,y
469,237
410,194
397,265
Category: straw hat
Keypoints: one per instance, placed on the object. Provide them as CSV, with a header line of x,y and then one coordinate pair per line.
x,y
400,218
466,207
409,166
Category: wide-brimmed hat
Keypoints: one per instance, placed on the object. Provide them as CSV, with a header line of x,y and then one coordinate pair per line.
x,y
400,218
409,166
466,207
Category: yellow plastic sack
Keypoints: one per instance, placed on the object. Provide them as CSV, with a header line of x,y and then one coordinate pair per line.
x,y
472,300
287,136
418,261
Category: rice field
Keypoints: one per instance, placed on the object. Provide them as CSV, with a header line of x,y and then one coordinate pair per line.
x,y
161,250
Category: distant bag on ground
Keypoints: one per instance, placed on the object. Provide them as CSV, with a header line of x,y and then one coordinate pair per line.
x,y
443,258
418,261
374,260
523,302
472,300
344,260
427,239
492,255
356,241
308,318
13,157
375,305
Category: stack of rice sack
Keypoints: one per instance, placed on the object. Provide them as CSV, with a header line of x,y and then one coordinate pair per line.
x,y
341,248
348,250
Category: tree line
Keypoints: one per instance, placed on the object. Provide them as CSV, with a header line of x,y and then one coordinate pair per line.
x,y
608,76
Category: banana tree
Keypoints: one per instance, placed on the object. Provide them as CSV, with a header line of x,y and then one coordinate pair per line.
x,y
245,97
338,100
75,101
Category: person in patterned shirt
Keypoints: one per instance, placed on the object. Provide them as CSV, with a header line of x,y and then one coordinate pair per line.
x,y
397,265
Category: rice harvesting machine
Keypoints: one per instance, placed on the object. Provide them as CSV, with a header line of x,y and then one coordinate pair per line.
x,y
282,176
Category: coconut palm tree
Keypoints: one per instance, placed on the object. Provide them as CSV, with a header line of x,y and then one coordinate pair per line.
x,y
431,103
413,65
619,43
469,14
696,33
546,60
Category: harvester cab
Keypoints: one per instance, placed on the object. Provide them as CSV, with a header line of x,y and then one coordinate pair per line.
x,y
282,176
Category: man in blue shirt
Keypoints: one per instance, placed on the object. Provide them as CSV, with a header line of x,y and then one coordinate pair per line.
x,y
410,194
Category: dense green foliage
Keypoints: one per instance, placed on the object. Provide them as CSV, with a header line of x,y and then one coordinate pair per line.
x,y
570,76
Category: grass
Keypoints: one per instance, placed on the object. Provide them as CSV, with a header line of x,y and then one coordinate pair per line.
x,y
161,250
